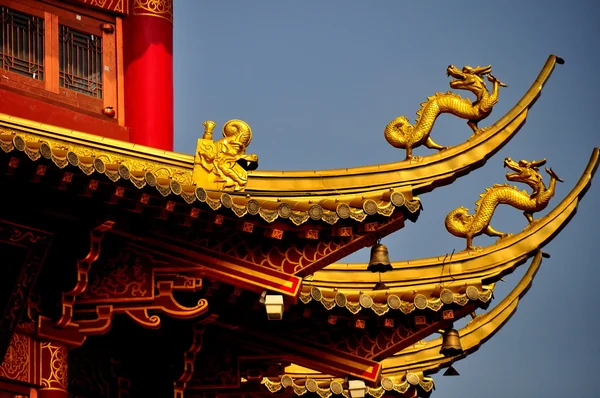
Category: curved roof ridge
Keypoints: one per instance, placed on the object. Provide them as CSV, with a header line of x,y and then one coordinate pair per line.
x,y
490,263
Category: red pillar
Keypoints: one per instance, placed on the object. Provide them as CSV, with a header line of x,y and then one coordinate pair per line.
x,y
54,370
148,64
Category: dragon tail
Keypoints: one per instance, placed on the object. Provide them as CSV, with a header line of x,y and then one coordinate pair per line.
x,y
398,132
458,221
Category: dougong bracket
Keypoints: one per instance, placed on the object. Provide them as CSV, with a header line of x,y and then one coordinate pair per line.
x,y
83,268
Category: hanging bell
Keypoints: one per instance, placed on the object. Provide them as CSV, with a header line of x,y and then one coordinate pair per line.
x,y
380,259
451,343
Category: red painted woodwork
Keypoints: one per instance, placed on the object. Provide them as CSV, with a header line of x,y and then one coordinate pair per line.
x,y
118,6
148,63
43,110
52,394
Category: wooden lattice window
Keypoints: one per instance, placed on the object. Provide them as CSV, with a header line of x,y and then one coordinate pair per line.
x,y
80,61
22,38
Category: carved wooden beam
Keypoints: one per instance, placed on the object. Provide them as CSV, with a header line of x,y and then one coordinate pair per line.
x,y
83,268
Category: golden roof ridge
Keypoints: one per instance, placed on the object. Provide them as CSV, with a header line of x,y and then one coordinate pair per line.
x,y
326,195
338,284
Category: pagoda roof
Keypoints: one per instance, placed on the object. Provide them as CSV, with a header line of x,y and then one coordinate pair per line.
x,y
319,195
448,279
350,286
406,373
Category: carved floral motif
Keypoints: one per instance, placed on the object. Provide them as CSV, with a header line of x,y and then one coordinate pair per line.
x,y
126,278
15,365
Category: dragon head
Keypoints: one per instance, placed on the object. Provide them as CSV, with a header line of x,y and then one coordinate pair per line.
x,y
468,78
525,172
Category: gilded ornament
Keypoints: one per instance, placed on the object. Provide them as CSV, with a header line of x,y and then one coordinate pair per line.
x,y
15,365
464,225
223,165
401,134
54,374
154,8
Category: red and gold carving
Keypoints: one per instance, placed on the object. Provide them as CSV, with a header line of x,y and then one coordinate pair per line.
x,y
138,311
36,242
121,277
247,227
83,268
298,258
54,366
154,8
119,6
16,360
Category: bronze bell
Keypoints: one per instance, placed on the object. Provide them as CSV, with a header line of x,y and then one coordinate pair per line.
x,y
380,259
451,343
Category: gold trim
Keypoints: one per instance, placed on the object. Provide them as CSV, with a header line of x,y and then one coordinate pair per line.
x,y
390,299
154,8
274,190
426,275
408,366
171,175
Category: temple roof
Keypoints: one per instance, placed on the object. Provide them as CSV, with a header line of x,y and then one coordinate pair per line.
x,y
442,280
466,276
407,370
325,195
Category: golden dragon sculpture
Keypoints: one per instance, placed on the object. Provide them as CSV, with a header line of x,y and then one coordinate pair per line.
x,y
401,134
464,225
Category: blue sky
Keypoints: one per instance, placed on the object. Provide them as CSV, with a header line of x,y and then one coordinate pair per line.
x,y
318,81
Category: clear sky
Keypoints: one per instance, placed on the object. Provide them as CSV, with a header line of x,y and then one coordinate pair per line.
x,y
318,81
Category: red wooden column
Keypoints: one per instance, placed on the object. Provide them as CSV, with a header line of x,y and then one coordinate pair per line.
x,y
53,365
148,64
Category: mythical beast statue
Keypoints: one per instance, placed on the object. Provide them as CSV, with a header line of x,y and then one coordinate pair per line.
x,y
401,134
464,225
225,160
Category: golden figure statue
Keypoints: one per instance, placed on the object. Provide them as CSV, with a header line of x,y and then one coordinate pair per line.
x,y
464,225
401,134
226,159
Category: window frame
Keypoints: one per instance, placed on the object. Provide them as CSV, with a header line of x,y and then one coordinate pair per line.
x,y
17,77
83,20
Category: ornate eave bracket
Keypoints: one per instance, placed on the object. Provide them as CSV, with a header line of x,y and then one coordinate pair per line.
x,y
138,289
83,268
